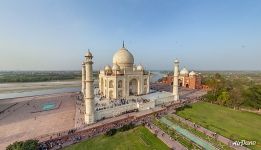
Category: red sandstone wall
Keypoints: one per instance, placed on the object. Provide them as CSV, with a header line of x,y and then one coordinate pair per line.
x,y
190,82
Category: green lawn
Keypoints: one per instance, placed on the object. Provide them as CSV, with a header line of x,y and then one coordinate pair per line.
x,y
236,125
138,138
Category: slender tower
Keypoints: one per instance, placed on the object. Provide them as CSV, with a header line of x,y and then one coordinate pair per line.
x,y
175,80
89,91
83,78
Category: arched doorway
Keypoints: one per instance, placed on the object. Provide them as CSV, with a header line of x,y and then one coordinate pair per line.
x,y
180,82
187,85
111,84
133,87
120,84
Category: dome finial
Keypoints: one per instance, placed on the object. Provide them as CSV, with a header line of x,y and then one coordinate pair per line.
x,y
123,44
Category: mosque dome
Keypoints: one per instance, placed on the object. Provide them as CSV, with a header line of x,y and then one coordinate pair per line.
x,y
140,67
192,73
184,71
107,68
115,67
123,58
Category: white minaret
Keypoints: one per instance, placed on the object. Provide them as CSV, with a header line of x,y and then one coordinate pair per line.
x,y
148,83
88,91
83,78
175,80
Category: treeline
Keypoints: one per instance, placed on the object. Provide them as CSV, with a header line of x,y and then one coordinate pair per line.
x,y
39,76
233,93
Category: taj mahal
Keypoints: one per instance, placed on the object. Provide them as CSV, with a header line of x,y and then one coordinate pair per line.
x,y
123,79
123,87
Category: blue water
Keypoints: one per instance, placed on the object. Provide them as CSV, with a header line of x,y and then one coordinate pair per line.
x,y
156,76
48,106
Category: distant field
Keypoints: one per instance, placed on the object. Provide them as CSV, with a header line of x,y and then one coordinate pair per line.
x,y
138,138
236,125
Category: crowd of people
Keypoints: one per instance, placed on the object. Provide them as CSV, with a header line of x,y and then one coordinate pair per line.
x,y
86,132
102,105
119,102
111,104
80,110
142,100
161,87
74,136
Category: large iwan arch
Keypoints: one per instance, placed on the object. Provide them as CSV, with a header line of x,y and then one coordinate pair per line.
x,y
133,87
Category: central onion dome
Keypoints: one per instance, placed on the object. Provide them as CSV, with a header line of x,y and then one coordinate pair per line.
x,y
123,58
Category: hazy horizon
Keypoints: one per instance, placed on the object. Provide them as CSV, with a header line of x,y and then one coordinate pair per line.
x,y
204,35
148,70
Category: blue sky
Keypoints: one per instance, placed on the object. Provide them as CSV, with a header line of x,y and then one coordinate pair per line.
x,y
203,34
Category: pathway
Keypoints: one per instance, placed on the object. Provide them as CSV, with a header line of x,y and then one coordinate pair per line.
x,y
165,138
187,134
210,133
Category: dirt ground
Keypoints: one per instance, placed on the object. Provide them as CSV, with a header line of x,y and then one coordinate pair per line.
x,y
19,123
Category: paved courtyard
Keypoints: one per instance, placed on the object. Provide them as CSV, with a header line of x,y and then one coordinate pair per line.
x,y
24,121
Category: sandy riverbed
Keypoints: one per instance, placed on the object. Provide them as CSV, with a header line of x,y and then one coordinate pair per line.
x,y
30,86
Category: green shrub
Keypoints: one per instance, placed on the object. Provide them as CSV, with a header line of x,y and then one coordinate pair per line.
x,y
23,145
126,127
111,132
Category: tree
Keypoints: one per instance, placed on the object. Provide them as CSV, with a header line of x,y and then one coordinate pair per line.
x,y
30,145
236,96
233,92
253,97
223,98
23,145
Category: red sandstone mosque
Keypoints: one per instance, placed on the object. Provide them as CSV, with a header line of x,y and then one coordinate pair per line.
x,y
186,79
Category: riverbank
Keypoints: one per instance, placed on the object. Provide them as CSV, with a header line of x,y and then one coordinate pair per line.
x,y
31,86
